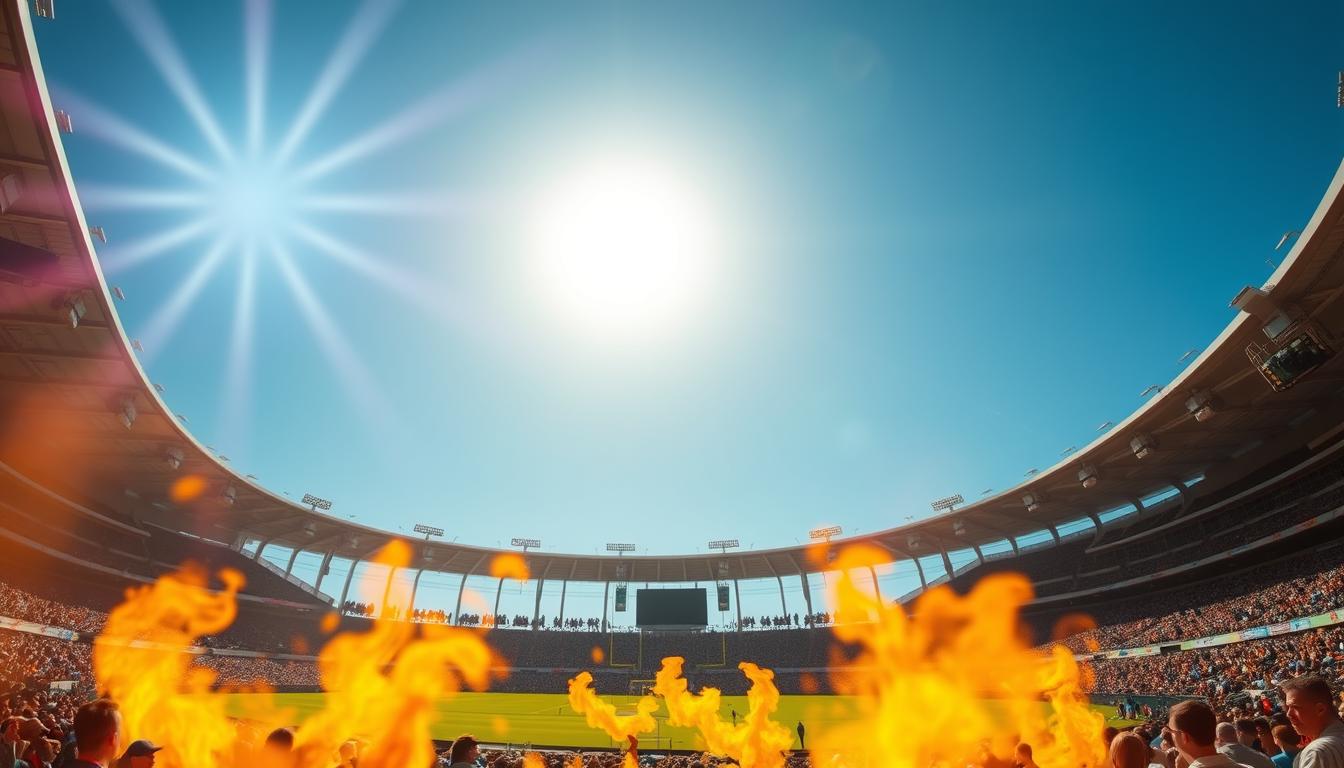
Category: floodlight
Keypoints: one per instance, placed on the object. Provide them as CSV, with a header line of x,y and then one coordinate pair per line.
x,y
137,346
525,543
315,502
1032,500
947,503
99,233
824,534
1200,403
128,412
1105,425
958,528
63,122
1068,450
182,418
1150,390
230,495
620,547
45,9
428,530
1142,445
724,545
913,541
11,189
310,529
1087,475
1189,353
74,307
120,294
173,458
158,388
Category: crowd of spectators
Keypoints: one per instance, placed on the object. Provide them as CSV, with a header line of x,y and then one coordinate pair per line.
x,y
1274,592
18,604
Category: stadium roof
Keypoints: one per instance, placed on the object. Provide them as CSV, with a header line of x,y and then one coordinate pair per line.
x,y
79,413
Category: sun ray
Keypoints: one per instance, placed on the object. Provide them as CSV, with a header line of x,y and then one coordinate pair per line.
x,y
354,376
256,48
147,27
424,114
359,35
113,198
361,262
107,127
385,204
163,323
123,257
236,410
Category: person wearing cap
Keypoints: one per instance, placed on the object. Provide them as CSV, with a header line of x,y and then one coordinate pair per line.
x,y
140,754
465,751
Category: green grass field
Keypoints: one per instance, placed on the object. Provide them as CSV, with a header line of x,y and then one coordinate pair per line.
x,y
545,719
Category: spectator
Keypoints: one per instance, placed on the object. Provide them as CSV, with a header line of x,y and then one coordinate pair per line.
x,y
1022,756
465,751
1289,744
1193,727
97,734
1128,751
1230,744
140,754
1311,710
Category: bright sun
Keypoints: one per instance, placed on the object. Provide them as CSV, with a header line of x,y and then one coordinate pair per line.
x,y
624,248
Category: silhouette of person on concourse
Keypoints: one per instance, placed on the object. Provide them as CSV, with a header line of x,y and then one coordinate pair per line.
x,y
734,712
802,741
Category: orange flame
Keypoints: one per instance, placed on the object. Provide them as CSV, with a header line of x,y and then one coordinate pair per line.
x,y
382,685
599,714
138,660
964,660
758,742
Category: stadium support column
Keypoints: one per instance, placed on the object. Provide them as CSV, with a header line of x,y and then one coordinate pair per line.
x,y
322,571
499,590
536,603
979,556
807,593
606,590
289,567
783,606
918,567
414,586
457,608
737,600
947,561
387,589
348,577
877,591
261,545
564,584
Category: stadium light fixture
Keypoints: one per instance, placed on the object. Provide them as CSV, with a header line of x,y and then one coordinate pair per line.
x,y
824,534
1200,403
1032,471
723,545
1032,501
1339,95
1155,388
428,530
75,309
63,122
99,234
45,9
620,548
137,346
1068,450
1105,425
310,529
120,294
913,541
173,458
958,528
1087,475
526,544
315,502
947,503
1189,353
987,491
230,495
1142,445
127,412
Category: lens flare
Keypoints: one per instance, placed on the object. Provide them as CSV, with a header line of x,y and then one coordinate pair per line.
x,y
187,488
979,685
509,566
757,742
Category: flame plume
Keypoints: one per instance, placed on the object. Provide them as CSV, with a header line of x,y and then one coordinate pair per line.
x,y
599,714
382,685
953,680
758,742
138,660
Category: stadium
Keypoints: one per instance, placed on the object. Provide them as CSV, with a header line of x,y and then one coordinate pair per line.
x,y
1191,551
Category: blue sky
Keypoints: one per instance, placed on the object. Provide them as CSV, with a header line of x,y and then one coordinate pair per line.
x,y
955,239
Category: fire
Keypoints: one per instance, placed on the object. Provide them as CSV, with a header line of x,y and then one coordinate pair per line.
x,y
382,685
138,661
962,665
758,742
599,714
